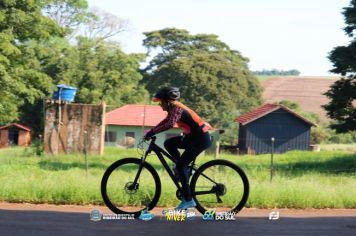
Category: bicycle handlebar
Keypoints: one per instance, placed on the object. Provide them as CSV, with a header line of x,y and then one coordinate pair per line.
x,y
153,138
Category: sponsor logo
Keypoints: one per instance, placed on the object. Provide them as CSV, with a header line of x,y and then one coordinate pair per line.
x,y
175,215
209,215
146,215
179,215
95,215
227,216
213,215
191,214
274,215
118,216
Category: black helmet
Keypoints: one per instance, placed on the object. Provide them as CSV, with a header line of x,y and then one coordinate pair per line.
x,y
167,93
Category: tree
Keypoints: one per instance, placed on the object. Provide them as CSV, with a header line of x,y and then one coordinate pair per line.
x,y
311,116
275,72
342,94
108,74
319,133
100,71
35,55
21,79
214,79
70,14
291,105
104,25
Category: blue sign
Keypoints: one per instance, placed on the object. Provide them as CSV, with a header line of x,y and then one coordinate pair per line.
x,y
95,215
146,215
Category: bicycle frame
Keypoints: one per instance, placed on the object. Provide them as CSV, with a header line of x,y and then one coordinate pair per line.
x,y
160,154
216,187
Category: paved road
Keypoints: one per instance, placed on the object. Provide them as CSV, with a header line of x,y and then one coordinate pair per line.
x,y
56,223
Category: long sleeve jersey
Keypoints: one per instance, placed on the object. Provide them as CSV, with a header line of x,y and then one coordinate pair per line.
x,y
184,117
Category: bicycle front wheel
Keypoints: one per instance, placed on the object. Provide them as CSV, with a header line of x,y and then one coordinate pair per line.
x,y
220,184
121,195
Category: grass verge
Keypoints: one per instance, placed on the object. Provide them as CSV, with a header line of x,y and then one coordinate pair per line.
x,y
302,179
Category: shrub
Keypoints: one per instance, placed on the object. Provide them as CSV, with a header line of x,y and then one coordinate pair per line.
x,y
319,135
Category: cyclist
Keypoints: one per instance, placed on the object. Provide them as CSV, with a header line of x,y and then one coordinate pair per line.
x,y
194,140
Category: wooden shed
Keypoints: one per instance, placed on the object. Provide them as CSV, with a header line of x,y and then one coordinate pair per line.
x,y
257,128
15,135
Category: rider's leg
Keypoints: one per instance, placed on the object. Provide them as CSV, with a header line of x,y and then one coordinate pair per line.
x,y
192,150
172,145
182,166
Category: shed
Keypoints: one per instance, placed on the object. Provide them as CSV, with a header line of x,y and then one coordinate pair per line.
x,y
257,128
15,135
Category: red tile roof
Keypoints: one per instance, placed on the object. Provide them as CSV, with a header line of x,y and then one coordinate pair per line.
x,y
23,127
264,110
132,115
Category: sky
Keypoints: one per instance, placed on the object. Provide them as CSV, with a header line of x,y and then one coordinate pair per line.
x,y
273,34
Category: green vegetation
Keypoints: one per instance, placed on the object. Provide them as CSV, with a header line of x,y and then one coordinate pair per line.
x,y
275,72
21,79
342,93
302,179
339,147
49,42
322,133
214,79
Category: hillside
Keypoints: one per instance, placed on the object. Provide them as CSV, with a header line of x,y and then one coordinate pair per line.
x,y
307,91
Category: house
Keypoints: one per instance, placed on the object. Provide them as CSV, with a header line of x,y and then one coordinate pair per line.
x,y
125,125
15,135
257,128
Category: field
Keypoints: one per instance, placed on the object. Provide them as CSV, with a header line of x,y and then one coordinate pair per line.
x,y
302,179
307,91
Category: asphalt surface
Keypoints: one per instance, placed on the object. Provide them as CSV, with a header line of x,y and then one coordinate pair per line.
x,y
53,223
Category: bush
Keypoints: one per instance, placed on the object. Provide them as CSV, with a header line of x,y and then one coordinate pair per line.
x,y
319,135
349,137
37,147
322,134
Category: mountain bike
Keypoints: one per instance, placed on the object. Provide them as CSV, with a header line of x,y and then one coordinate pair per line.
x,y
131,185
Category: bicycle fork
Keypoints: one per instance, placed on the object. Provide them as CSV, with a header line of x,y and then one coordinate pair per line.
x,y
135,183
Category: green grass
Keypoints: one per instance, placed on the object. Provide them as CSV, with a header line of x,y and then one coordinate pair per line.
x,y
302,179
351,147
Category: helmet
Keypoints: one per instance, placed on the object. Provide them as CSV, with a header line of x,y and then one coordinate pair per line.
x,y
167,93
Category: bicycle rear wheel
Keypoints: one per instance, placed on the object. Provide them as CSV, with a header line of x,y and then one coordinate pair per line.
x,y
220,184
122,196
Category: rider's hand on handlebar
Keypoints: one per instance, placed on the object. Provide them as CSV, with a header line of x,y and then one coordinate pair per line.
x,y
148,134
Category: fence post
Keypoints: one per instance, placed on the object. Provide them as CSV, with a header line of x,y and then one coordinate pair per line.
x,y
86,151
217,149
272,151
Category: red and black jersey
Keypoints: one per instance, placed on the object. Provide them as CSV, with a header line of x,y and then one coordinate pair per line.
x,y
185,118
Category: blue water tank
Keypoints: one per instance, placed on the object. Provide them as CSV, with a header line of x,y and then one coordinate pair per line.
x,y
65,93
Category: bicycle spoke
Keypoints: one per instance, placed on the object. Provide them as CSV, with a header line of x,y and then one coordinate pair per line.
x,y
118,187
220,186
120,192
